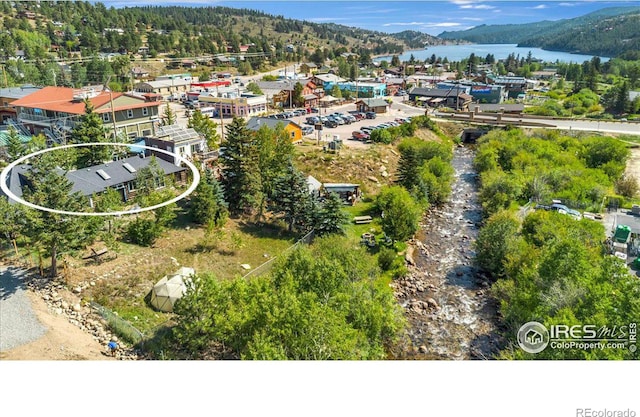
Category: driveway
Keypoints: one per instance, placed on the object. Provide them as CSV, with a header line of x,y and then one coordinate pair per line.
x,y
18,322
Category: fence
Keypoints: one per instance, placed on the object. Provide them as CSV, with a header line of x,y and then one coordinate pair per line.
x,y
120,326
265,267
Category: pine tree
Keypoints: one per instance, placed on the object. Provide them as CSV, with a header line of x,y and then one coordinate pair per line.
x,y
291,198
56,233
168,116
240,168
331,218
15,148
90,129
207,202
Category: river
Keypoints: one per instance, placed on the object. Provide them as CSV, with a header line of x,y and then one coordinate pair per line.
x,y
446,298
499,51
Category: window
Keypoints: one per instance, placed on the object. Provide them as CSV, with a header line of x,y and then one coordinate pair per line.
x,y
131,185
130,113
106,117
145,111
146,132
293,134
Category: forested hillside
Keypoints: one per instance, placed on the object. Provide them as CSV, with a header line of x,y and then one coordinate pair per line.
x,y
607,32
83,27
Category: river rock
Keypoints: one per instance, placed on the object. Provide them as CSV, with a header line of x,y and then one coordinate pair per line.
x,y
422,349
432,303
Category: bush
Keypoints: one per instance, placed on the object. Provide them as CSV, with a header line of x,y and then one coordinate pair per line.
x,y
386,256
143,232
381,136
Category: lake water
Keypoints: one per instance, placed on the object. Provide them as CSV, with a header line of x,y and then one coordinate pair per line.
x,y
499,51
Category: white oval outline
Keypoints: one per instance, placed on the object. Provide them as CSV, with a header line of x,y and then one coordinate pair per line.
x,y
11,195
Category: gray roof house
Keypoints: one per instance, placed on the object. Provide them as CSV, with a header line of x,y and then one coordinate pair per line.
x,y
120,175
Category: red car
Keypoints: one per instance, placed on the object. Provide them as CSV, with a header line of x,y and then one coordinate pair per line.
x,y
359,116
359,135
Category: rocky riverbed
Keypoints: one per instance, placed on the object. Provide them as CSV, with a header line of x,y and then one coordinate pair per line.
x,y
446,298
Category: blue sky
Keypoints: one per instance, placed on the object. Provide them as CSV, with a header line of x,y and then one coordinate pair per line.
x,y
429,16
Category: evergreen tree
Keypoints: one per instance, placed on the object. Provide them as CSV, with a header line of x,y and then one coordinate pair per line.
x,y
206,127
622,103
90,130
56,233
207,202
240,168
168,116
291,198
15,148
331,218
275,151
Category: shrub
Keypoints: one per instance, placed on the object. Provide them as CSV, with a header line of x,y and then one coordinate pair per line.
x,y
143,232
386,256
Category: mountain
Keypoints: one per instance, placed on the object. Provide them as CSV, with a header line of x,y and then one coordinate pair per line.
x,y
414,39
606,32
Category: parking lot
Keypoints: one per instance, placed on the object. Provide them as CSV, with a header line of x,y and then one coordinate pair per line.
x,y
343,132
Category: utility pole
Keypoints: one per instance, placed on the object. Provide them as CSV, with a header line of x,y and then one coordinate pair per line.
x,y
113,112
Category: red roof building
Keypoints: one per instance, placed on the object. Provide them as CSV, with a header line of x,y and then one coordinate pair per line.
x,y
54,111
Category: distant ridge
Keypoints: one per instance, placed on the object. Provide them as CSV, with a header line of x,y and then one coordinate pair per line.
x,y
608,32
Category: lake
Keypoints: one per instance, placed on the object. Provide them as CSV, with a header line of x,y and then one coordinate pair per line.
x,y
499,51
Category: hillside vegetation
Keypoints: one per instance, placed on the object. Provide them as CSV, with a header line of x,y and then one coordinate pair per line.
x,y
607,32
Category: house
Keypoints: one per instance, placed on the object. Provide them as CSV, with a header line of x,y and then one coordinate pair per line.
x,y
8,96
452,97
294,129
188,63
139,72
164,87
182,141
326,81
308,68
481,92
143,50
514,86
120,175
376,105
349,193
55,110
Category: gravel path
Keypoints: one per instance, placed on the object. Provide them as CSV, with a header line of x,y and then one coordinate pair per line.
x,y
18,322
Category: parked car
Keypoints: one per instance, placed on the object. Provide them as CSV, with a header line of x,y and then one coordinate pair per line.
x,y
360,135
359,116
307,130
370,115
337,119
330,123
314,110
350,118
300,112
312,120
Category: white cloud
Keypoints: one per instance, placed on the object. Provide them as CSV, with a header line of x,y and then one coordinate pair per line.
x,y
473,19
540,6
567,4
477,6
442,25
405,24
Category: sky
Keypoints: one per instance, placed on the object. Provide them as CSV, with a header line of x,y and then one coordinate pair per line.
x,y
428,16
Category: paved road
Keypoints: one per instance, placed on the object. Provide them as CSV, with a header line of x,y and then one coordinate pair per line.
x,y
18,323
